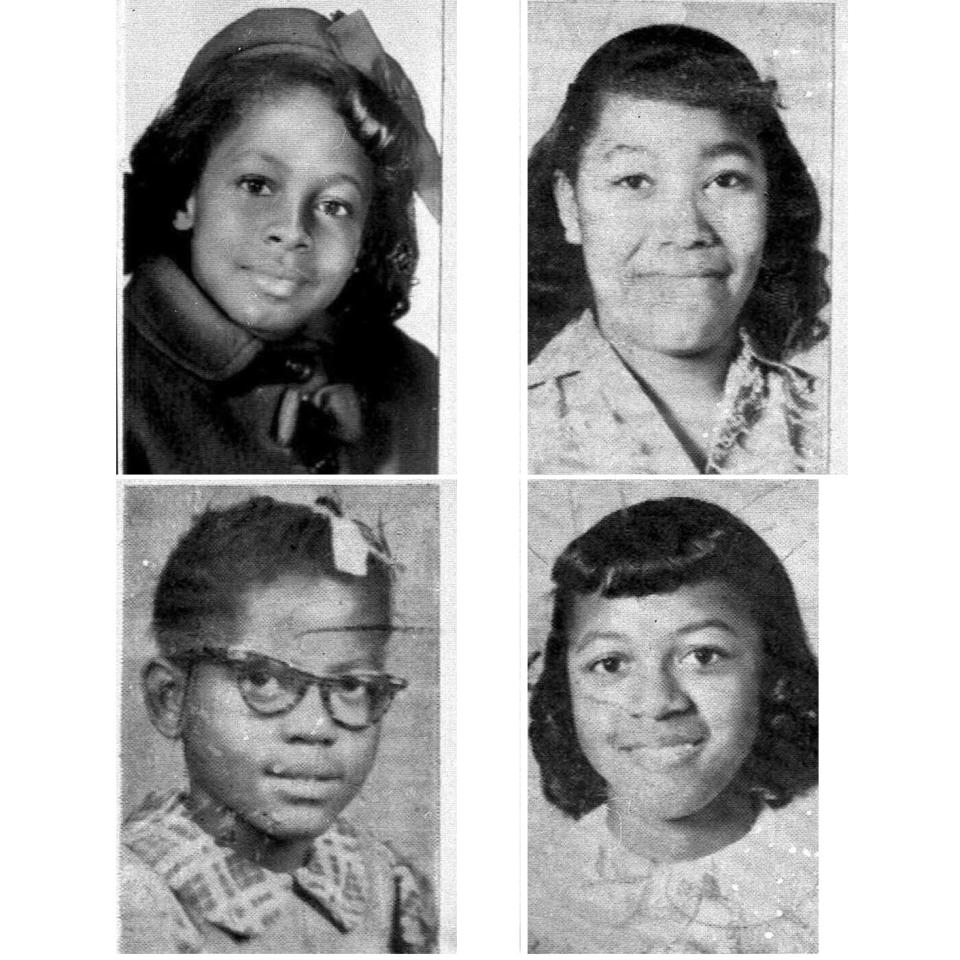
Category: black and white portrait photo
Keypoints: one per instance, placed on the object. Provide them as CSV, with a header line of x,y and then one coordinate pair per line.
x,y
680,188
281,237
673,717
280,733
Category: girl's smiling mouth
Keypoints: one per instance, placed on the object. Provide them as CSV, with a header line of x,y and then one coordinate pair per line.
x,y
280,285
660,756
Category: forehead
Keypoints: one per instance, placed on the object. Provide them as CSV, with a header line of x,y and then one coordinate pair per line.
x,y
663,617
665,129
299,127
314,622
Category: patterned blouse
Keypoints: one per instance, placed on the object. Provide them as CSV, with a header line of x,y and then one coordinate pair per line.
x,y
587,894
182,893
587,414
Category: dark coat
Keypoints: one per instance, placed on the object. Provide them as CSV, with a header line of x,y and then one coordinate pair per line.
x,y
202,395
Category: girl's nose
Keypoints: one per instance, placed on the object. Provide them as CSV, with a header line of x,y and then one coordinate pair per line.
x,y
682,223
310,721
287,226
655,694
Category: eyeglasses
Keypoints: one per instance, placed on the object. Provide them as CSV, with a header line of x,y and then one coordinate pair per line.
x,y
271,687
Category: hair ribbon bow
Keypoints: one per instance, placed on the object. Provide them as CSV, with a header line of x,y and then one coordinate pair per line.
x,y
351,542
348,38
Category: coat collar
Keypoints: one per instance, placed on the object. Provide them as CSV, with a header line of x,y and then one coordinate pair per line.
x,y
177,318
231,892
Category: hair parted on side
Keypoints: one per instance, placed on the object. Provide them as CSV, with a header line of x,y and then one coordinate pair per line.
x,y
227,551
656,547
167,161
683,65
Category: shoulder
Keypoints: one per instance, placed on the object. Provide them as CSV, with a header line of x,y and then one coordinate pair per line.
x,y
565,355
414,907
151,918
773,871
407,356
416,918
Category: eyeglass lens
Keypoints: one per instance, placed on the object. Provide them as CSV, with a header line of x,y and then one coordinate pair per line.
x,y
353,702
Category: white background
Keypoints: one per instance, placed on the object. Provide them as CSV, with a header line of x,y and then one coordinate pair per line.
x,y
889,531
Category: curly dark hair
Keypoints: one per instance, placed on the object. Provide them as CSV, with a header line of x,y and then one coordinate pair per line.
x,y
227,551
695,68
656,547
167,161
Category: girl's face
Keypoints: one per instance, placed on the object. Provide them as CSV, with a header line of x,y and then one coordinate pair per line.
x,y
670,207
290,774
665,693
277,217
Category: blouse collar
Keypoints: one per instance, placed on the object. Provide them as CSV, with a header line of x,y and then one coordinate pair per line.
x,y
233,893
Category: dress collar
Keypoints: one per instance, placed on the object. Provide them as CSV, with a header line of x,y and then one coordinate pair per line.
x,y
770,868
231,892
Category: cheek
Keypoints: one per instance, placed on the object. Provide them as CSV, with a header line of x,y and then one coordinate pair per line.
x,y
336,249
359,754
592,721
607,224
732,712
219,733
744,229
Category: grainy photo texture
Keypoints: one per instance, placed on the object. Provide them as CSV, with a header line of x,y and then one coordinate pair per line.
x,y
673,717
680,187
282,207
280,741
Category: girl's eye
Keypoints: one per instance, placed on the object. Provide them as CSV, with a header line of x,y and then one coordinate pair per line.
x,y
334,208
261,682
635,181
705,656
353,687
731,180
256,186
607,665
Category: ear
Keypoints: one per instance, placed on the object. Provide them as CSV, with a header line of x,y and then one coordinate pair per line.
x,y
164,692
183,219
567,207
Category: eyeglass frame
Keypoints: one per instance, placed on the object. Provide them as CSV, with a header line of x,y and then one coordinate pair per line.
x,y
389,684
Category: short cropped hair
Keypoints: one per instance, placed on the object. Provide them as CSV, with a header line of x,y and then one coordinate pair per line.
x,y
679,64
656,547
199,595
169,158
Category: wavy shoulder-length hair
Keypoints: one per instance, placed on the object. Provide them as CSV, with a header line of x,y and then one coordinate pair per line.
x,y
167,162
692,67
656,547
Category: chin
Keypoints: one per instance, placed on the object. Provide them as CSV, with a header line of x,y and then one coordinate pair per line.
x,y
296,825
269,328
671,332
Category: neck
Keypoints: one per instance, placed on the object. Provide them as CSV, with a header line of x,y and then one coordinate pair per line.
x,y
682,381
228,829
722,822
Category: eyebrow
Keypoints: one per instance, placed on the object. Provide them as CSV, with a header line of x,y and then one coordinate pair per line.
x,y
353,628
338,177
724,148
360,663
711,623
593,635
